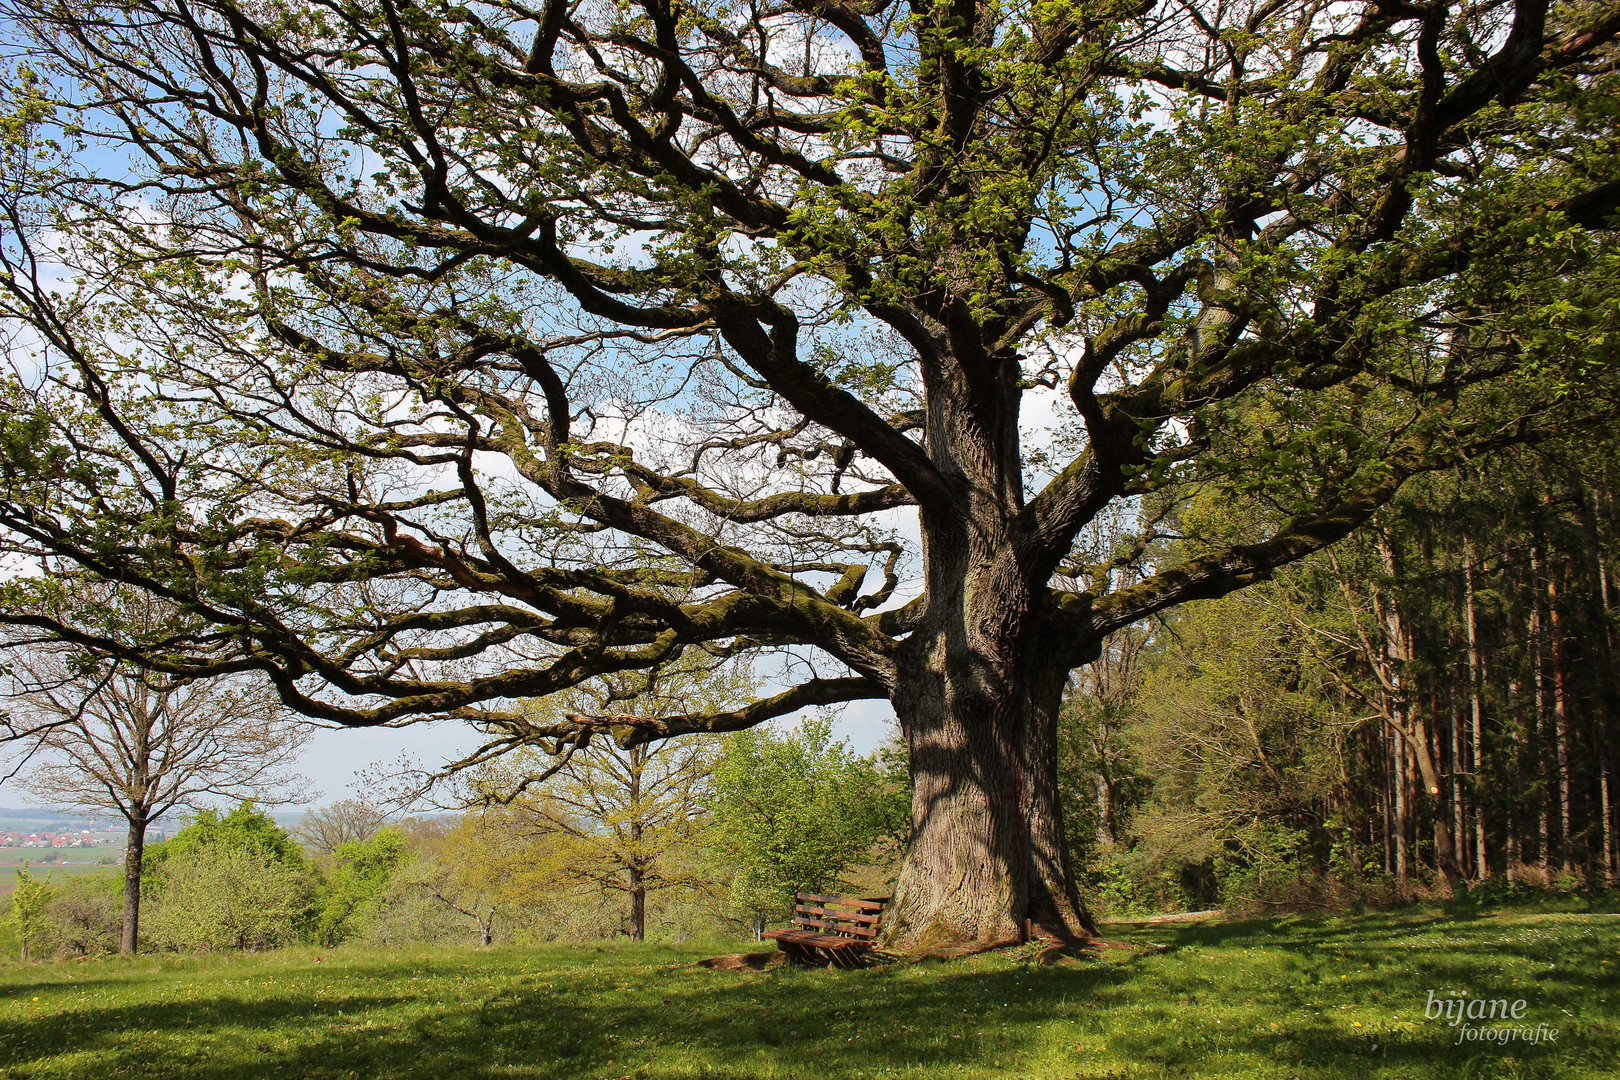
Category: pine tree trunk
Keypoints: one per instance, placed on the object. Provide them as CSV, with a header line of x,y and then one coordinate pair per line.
x,y
1538,742
1455,773
1384,816
1608,823
1560,725
1476,709
1515,813
1398,825
134,855
1606,729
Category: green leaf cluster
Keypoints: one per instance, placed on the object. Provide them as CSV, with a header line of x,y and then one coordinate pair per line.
x,y
796,811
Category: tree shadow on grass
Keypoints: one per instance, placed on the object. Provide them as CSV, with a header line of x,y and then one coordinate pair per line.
x,y
1189,1013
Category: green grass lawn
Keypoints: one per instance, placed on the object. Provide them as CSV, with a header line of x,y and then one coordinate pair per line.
x,y
1299,997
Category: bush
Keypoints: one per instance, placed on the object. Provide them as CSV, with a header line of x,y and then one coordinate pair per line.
x,y
796,810
85,916
354,891
216,896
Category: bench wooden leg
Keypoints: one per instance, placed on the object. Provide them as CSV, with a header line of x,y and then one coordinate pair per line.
x,y
797,954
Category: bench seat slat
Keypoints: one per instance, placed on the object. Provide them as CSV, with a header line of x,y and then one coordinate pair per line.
x,y
815,940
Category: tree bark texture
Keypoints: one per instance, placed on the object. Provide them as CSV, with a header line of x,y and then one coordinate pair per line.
x,y
978,691
989,862
134,855
638,905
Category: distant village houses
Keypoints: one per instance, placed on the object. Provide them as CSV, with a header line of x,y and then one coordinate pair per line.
x,y
69,839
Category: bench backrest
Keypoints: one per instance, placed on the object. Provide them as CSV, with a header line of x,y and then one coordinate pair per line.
x,y
844,916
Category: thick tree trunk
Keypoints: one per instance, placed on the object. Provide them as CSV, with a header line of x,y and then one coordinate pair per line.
x,y
134,854
988,863
977,689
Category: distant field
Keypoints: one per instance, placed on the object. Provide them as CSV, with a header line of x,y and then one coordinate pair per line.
x,y
1316,999
57,862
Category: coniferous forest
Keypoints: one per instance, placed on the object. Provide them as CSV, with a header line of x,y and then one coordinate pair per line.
x,y
1427,705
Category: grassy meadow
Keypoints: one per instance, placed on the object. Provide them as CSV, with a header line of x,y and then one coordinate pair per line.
x,y
1339,997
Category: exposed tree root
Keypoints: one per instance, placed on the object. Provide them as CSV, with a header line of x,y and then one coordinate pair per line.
x,y
1041,946
743,961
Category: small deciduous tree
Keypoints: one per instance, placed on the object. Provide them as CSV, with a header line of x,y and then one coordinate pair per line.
x,y
29,902
795,810
105,736
358,882
626,821
346,821
465,869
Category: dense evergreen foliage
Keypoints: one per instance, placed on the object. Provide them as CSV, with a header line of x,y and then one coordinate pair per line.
x,y
1428,704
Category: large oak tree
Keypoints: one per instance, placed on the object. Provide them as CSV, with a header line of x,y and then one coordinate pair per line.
x,y
437,356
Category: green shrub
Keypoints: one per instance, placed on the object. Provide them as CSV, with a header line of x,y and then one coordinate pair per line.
x,y
216,896
29,903
795,810
85,916
353,894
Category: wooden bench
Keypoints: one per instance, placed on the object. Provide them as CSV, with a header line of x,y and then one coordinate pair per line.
x,y
836,930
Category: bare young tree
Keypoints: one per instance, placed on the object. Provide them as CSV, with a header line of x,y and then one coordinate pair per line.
x,y
623,821
324,828
98,736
